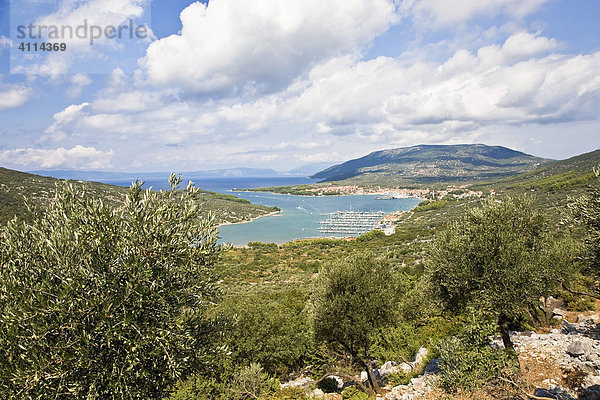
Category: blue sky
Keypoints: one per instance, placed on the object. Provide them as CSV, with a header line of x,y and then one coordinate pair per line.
x,y
282,84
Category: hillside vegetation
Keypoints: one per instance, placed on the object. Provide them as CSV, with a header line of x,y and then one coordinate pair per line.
x,y
432,164
15,186
456,278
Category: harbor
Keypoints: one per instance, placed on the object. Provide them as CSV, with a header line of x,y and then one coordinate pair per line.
x,y
351,222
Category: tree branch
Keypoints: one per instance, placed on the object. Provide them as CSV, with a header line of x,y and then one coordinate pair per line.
x,y
592,295
531,396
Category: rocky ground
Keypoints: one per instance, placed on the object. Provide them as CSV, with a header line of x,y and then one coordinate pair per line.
x,y
562,364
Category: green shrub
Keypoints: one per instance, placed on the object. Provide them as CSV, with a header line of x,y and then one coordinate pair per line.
x,y
430,205
290,394
252,382
354,393
262,246
97,302
270,329
374,234
468,361
199,388
399,378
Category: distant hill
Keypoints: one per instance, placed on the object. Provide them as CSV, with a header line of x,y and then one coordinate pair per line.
x,y
15,185
430,164
309,169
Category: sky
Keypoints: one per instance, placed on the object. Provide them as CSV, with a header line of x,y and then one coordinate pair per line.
x,y
283,83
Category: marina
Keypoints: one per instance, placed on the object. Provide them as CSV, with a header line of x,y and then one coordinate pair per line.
x,y
351,222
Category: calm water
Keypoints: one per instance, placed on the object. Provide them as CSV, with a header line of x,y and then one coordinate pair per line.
x,y
300,215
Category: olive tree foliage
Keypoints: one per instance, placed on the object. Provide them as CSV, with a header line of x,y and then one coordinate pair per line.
x,y
586,212
101,302
495,259
353,299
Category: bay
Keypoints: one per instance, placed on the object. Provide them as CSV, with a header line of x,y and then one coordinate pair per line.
x,y
300,216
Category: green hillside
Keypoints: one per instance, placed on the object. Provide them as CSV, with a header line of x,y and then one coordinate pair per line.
x,y
570,174
432,164
15,186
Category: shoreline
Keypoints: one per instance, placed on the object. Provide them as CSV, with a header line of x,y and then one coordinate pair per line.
x,y
251,219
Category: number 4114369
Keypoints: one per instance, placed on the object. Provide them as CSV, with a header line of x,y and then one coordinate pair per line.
x,y
42,46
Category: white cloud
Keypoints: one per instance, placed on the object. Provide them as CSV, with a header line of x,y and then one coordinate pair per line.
x,y
78,82
67,22
13,96
444,13
347,106
229,44
5,42
100,13
78,157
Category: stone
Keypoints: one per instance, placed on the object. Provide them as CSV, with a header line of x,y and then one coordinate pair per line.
x,y
421,355
433,367
591,380
557,312
568,327
364,376
388,366
318,393
578,348
301,382
405,367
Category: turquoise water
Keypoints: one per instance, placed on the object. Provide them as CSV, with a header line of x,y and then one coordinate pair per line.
x,y
301,215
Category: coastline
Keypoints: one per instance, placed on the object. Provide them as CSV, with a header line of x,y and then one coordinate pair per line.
x,y
324,195
251,219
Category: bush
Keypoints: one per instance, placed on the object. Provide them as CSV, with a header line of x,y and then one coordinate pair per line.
x,y
468,361
430,205
399,378
199,388
270,329
252,382
354,393
290,394
97,302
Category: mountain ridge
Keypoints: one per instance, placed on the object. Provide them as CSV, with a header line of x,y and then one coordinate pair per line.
x,y
434,163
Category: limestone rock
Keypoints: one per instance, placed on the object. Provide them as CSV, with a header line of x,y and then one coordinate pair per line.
x,y
579,347
421,355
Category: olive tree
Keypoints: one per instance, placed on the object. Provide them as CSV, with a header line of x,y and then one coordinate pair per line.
x,y
103,302
353,298
495,259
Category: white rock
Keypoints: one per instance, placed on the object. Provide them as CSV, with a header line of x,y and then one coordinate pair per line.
x,y
406,368
421,355
300,382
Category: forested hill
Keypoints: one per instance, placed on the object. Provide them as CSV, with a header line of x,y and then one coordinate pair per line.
x,y
15,186
427,164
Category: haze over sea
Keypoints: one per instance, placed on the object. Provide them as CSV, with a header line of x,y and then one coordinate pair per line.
x,y
300,216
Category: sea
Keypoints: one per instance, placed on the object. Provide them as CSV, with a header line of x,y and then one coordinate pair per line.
x,y
300,216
